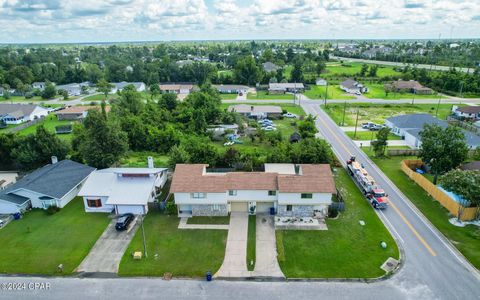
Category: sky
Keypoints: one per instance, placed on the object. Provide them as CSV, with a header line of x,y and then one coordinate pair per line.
x,y
71,21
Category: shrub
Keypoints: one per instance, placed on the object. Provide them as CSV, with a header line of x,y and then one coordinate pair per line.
x,y
29,95
171,208
53,209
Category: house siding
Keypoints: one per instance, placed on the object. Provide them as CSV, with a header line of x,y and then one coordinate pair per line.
x,y
105,208
297,211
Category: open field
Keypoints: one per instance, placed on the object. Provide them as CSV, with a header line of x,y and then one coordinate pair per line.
x,y
182,252
139,159
100,97
465,239
377,91
322,254
263,95
369,135
38,243
334,92
379,112
50,122
352,68
228,96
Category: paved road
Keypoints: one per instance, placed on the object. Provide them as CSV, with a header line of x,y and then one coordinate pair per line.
x,y
400,64
432,264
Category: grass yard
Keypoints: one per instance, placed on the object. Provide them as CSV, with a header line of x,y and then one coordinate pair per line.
x,y
182,252
209,220
334,92
346,249
100,97
23,99
251,242
377,113
139,159
377,91
50,122
263,95
353,68
466,239
369,135
228,96
38,243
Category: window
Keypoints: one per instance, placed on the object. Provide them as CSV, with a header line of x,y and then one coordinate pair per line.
x,y
306,196
216,207
272,193
197,195
289,208
232,192
94,203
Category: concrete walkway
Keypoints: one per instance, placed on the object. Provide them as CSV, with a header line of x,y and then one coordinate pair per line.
x,y
235,261
352,128
106,254
266,264
183,225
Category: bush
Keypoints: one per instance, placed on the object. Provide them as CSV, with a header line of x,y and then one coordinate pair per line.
x,y
332,211
53,209
171,208
29,95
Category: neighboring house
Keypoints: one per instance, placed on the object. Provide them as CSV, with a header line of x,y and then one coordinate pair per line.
x,y
408,86
119,86
231,88
467,112
410,126
471,166
288,87
176,88
55,184
73,89
221,129
256,112
39,85
291,190
353,87
79,112
20,113
270,67
321,82
7,178
123,190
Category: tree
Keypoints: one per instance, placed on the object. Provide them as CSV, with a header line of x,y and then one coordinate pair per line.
x,y
311,151
380,144
465,184
130,100
168,101
296,74
307,128
49,91
104,87
320,67
8,142
36,150
155,90
364,70
373,71
442,149
100,142
247,72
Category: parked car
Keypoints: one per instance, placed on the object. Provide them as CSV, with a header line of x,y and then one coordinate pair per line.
x,y
289,115
367,125
377,127
1,223
123,222
263,121
269,128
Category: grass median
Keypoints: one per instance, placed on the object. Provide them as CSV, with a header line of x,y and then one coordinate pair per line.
x,y
251,242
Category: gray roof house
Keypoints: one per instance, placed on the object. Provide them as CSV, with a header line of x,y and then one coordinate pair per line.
x,y
55,184
16,113
270,67
409,126
231,88
118,86
352,87
287,87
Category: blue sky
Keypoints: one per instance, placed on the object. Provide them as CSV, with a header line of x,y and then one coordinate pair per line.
x,y
32,21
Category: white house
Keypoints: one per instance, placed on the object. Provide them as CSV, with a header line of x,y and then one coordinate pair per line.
x,y
19,113
176,88
55,184
119,86
320,82
123,190
291,190
39,85
231,88
467,112
353,87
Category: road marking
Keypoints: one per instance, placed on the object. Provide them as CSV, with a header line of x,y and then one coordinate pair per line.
x,y
404,219
392,227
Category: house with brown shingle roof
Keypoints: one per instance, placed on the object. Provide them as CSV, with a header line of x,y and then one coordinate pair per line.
x,y
288,189
77,112
467,112
408,86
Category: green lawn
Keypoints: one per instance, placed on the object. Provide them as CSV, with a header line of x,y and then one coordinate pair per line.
x,y
369,135
377,91
353,68
139,159
346,249
228,96
263,95
209,220
50,122
251,242
466,239
38,243
23,99
182,252
99,97
379,112
334,92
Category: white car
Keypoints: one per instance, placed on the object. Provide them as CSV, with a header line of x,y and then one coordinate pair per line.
x,y
289,115
269,128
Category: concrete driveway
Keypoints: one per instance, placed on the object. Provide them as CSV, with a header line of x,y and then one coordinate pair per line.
x,y
266,264
107,252
235,261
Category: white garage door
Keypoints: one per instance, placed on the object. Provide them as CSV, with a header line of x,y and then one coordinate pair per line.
x,y
264,207
238,206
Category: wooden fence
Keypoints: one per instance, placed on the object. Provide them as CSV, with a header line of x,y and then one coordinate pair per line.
x,y
466,213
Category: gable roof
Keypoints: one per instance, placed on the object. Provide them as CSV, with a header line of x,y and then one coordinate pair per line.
x,y
245,108
230,87
469,109
79,109
270,67
471,139
285,85
17,110
415,121
349,84
54,180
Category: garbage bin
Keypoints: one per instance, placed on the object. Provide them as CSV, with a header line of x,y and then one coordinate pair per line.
x,y
272,211
16,216
208,276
